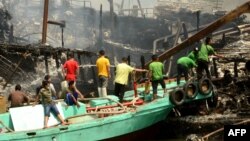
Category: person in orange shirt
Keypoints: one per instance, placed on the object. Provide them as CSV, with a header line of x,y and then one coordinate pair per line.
x,y
103,69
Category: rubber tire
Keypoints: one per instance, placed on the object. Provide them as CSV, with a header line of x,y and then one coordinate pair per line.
x,y
213,101
210,88
185,87
175,97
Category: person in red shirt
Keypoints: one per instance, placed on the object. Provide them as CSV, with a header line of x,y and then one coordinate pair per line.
x,y
71,68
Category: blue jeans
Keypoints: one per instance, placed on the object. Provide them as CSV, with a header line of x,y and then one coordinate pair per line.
x,y
50,108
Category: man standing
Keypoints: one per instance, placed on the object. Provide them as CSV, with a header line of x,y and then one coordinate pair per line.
x,y
203,61
103,68
121,78
156,70
71,68
47,77
17,97
184,64
48,104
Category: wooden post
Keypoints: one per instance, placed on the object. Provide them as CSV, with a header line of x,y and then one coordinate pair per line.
x,y
100,41
45,19
79,58
215,68
46,63
56,58
11,36
143,66
198,20
112,16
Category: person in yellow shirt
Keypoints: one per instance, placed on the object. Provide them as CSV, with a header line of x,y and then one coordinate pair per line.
x,y
103,69
121,78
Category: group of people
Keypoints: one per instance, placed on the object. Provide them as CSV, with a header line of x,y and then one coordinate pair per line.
x,y
199,59
122,71
46,93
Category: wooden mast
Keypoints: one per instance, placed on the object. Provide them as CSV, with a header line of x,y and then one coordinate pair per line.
x,y
45,19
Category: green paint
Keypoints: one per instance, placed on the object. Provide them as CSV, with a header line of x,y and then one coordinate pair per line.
x,y
90,127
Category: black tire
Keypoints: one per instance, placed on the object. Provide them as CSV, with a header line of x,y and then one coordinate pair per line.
x,y
191,90
177,97
205,86
213,101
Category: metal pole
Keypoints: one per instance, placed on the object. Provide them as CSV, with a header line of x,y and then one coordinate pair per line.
x,y
175,43
45,19
142,13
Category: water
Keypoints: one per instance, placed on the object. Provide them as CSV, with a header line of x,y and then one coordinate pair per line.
x,y
152,133
163,131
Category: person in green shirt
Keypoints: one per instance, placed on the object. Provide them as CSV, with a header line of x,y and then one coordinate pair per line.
x,y
203,58
184,64
194,54
156,71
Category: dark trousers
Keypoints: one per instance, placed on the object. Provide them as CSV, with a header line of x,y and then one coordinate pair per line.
x,y
181,70
155,85
202,65
119,91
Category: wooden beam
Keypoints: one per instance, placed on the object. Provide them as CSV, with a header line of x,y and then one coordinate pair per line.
x,y
45,19
204,32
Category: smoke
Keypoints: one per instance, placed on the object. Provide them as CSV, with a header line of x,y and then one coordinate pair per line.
x,y
231,4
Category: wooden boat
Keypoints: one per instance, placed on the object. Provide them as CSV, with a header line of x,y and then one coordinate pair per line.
x,y
101,118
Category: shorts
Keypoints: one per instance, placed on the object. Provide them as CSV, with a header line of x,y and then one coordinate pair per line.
x,y
50,108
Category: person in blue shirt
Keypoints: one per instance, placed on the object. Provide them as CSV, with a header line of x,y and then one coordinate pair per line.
x,y
72,95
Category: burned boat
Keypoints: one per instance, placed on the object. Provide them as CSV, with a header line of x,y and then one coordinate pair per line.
x,y
99,115
169,97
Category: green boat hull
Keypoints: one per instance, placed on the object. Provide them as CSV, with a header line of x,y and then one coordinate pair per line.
x,y
91,127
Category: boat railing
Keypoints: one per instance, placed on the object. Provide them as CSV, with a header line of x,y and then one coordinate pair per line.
x,y
98,98
102,111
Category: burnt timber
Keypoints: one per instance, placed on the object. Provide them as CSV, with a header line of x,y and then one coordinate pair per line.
x,y
11,53
245,8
